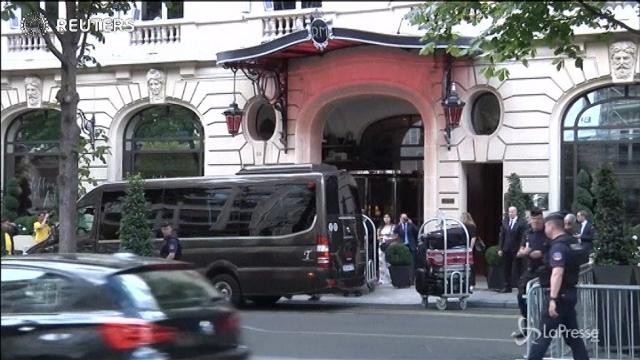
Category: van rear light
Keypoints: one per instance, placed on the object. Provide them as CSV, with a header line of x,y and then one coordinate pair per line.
x,y
132,334
322,250
230,323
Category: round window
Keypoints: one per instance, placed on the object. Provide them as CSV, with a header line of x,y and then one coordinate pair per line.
x,y
265,122
485,114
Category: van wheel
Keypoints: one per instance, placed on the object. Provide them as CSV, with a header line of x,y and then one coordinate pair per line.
x,y
228,287
265,301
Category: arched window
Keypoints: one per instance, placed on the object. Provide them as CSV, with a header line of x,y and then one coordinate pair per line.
x,y
603,126
32,150
395,143
164,141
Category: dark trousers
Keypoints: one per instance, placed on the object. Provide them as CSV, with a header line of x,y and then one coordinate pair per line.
x,y
513,269
566,309
522,304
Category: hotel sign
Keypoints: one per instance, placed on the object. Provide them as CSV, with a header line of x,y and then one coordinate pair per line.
x,y
320,33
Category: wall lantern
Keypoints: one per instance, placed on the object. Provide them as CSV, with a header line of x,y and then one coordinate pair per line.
x,y
233,114
88,126
452,106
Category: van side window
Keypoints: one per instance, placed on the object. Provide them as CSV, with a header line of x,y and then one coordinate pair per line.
x,y
112,213
348,197
198,210
85,220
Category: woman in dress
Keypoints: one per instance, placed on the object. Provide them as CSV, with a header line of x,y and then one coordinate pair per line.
x,y
468,222
385,236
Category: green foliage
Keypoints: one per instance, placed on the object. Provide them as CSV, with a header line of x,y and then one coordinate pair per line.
x,y
25,224
398,255
88,155
611,246
10,200
583,198
512,30
515,197
491,256
135,233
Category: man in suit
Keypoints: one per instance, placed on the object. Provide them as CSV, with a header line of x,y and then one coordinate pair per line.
x,y
587,232
511,234
407,234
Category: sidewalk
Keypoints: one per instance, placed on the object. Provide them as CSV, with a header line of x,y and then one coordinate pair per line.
x,y
388,295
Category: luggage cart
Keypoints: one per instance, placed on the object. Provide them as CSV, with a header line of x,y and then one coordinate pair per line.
x,y
371,272
444,262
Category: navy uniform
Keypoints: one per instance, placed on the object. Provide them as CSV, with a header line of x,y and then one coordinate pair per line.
x,y
537,242
565,252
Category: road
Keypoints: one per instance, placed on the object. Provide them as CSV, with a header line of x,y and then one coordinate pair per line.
x,y
292,331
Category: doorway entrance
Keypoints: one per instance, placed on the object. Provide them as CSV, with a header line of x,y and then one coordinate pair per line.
x,y
484,203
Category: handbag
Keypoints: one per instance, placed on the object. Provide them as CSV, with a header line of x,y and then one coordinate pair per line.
x,y
479,246
384,246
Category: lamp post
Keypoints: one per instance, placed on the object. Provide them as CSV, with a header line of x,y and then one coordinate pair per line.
x,y
233,114
452,105
88,126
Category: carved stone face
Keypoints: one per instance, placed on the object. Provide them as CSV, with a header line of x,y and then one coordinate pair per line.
x,y
623,60
155,87
33,92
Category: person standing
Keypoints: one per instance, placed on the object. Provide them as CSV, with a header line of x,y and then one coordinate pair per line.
x,y
41,228
8,230
570,224
532,250
407,234
560,275
511,233
587,232
171,248
386,236
472,229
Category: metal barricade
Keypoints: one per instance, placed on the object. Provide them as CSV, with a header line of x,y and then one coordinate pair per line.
x,y
371,258
608,319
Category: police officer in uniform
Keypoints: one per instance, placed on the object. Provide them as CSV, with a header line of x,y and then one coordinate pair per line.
x,y
534,246
562,268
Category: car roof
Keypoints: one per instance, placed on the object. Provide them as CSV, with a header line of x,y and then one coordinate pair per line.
x,y
93,267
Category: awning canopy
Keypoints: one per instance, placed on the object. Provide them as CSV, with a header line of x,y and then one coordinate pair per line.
x,y
302,44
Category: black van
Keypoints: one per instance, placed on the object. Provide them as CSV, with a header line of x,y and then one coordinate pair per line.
x,y
266,232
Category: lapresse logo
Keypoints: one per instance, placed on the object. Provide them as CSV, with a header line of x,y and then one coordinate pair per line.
x,y
34,24
561,331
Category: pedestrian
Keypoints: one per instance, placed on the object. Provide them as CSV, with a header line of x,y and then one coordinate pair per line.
x,y
587,232
171,248
472,229
41,228
532,250
511,233
386,236
407,233
9,231
560,276
570,224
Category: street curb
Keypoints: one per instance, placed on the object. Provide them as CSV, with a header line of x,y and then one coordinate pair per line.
x,y
452,305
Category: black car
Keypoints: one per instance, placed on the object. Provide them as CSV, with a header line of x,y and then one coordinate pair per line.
x,y
120,306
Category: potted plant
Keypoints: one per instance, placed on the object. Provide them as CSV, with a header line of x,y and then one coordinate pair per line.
x,y
400,260
495,275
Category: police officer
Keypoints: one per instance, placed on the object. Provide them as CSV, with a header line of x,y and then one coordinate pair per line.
x,y
562,267
534,246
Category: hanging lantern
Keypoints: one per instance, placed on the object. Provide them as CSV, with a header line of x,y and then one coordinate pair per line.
x,y
233,116
453,108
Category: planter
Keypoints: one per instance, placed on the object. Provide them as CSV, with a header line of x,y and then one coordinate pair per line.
x,y
613,274
401,275
495,278
636,275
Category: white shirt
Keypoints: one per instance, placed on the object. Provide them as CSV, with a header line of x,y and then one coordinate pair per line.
x,y
512,222
584,223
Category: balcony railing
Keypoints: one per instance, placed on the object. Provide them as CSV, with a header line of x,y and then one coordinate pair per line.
x,y
22,42
279,23
155,34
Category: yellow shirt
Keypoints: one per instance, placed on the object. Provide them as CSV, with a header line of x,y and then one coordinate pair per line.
x,y
8,244
41,231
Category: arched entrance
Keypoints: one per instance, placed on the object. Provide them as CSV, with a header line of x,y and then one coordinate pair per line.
x,y
380,140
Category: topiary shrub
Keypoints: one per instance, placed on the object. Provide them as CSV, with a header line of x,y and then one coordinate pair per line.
x,y
515,197
492,258
398,255
10,202
135,233
583,198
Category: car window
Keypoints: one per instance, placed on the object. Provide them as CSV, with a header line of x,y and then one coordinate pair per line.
x,y
172,289
34,291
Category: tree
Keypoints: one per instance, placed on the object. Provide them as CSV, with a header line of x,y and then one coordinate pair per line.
x,y
611,247
10,200
515,197
514,29
73,52
583,198
135,233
